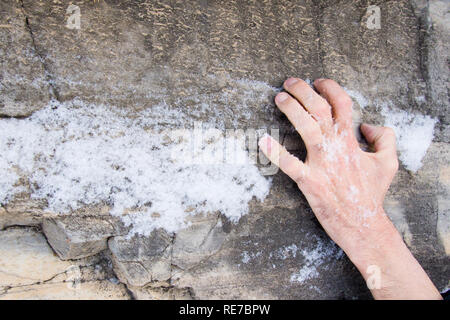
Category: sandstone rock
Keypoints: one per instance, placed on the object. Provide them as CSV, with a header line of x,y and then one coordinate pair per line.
x,y
142,260
3,217
200,50
22,211
437,172
23,81
30,270
438,74
26,258
160,293
202,239
443,223
378,63
232,57
263,252
77,237
96,290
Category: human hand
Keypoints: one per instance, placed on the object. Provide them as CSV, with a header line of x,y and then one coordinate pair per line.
x,y
344,185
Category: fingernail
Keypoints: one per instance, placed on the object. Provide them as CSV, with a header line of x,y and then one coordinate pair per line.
x,y
281,97
289,82
319,80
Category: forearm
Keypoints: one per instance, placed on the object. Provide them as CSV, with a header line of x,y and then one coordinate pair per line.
x,y
389,268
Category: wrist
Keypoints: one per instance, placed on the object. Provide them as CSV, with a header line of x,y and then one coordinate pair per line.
x,y
377,246
389,268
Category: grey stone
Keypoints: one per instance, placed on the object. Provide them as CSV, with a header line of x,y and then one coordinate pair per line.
x,y
24,85
160,293
22,211
436,173
438,74
203,238
194,50
77,237
140,260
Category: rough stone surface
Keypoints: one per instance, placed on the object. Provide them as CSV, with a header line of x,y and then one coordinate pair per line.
x,y
23,81
21,212
77,237
26,258
438,169
160,293
94,290
438,46
136,54
201,240
142,260
29,269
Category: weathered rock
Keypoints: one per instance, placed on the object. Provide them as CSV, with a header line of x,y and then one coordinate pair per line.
x,y
443,222
202,239
268,249
436,172
95,290
437,72
3,218
30,270
26,258
22,211
23,81
77,237
382,64
140,260
199,51
160,293
136,55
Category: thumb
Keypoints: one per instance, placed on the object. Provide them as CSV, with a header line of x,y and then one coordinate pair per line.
x,y
382,138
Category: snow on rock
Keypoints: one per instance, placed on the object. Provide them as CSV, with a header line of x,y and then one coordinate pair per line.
x,y
285,252
414,134
76,154
248,256
313,259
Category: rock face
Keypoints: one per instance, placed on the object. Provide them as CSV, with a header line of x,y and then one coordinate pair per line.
x,y
77,238
24,85
134,55
142,260
30,270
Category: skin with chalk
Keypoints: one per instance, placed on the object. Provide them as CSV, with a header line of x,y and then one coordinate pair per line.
x,y
346,186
